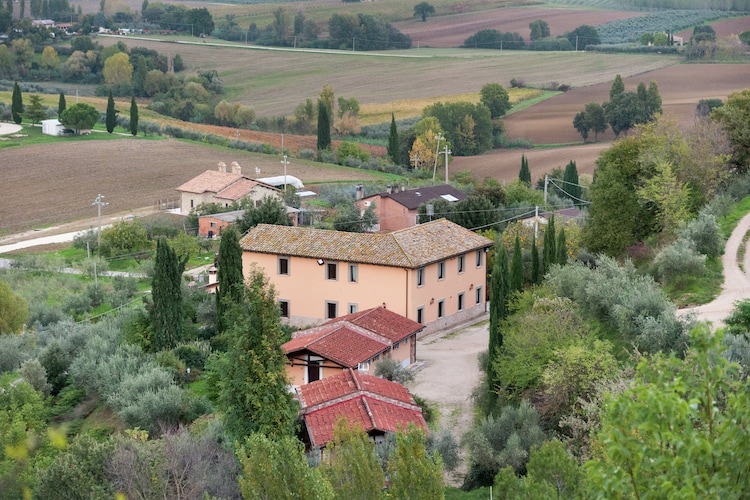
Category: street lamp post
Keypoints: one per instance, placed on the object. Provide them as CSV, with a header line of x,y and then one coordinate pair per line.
x,y
447,152
437,153
285,163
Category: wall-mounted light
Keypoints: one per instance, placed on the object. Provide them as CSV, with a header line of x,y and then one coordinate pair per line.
x,y
320,262
383,305
432,300
471,287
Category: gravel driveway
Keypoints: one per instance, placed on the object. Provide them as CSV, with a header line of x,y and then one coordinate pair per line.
x,y
446,374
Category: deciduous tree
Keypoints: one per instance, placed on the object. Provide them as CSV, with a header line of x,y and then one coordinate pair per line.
x,y
49,58
735,118
423,9
539,29
352,466
13,310
495,97
118,69
414,473
270,210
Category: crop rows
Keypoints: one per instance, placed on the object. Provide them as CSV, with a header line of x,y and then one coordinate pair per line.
x,y
630,30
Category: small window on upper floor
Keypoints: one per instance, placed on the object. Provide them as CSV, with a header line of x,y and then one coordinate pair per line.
x,y
479,258
284,266
461,263
420,276
441,270
284,308
332,271
353,273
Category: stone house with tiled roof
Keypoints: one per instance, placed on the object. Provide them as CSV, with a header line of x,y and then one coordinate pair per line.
x,y
223,188
433,273
357,341
377,405
398,208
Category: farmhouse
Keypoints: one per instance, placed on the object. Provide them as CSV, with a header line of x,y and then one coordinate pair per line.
x,y
357,341
433,273
377,405
223,188
398,208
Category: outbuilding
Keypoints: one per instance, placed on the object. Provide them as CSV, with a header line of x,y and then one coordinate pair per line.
x,y
53,127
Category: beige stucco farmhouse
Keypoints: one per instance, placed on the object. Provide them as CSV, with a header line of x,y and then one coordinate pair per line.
x,y
433,273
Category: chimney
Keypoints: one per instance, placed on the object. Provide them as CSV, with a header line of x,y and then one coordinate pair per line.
x,y
236,169
389,189
222,166
403,188
360,193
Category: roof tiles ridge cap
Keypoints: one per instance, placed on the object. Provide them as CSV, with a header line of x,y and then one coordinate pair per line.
x,y
369,333
330,403
398,243
369,412
393,401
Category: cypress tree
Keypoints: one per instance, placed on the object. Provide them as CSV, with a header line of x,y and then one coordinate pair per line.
x,y
617,88
516,267
230,278
525,174
166,293
498,311
324,127
16,104
562,248
111,119
549,253
133,116
61,104
570,178
534,262
393,147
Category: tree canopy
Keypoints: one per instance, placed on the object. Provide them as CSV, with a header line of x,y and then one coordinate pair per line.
x,y
80,117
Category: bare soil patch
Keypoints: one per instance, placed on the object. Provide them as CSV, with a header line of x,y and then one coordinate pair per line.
x,y
51,183
451,31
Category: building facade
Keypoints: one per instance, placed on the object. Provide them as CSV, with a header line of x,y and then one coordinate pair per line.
x,y
433,273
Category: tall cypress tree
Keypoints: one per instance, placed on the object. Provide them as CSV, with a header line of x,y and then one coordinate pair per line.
x,y
571,182
133,116
16,104
534,262
111,119
516,267
562,248
393,148
231,281
525,174
61,104
324,127
498,311
549,253
166,292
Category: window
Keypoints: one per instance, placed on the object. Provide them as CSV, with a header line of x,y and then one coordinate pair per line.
x,y
479,295
284,308
479,258
420,276
441,308
420,315
396,345
461,262
192,202
441,270
352,308
406,340
257,203
331,309
364,367
212,224
332,271
461,301
314,369
352,273
284,266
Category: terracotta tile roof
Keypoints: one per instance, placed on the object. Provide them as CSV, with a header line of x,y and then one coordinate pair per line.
x,y
382,321
211,181
413,198
339,343
374,403
412,247
237,190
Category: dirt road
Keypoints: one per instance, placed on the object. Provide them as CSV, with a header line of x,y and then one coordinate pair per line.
x,y
448,373
736,280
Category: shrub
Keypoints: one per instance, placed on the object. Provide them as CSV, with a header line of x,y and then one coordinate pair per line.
x,y
35,374
679,260
703,232
390,369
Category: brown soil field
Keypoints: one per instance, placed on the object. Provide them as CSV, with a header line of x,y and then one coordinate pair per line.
x,y
725,27
451,31
53,183
551,122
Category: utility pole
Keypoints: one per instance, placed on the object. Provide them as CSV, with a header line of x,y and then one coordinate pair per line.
x,y
285,163
447,152
99,204
546,181
437,153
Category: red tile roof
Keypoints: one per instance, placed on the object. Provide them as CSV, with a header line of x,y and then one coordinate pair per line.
x,y
237,190
211,180
341,344
384,322
374,403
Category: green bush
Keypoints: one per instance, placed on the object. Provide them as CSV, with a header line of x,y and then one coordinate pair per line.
x,y
704,232
679,260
